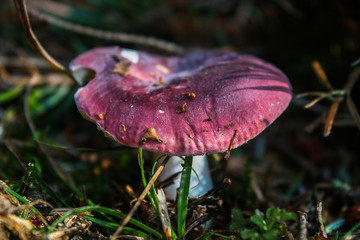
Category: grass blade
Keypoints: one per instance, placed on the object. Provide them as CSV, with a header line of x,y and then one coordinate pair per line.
x,y
120,148
11,93
140,198
23,200
335,225
183,196
107,211
151,193
141,164
114,226
351,231
54,196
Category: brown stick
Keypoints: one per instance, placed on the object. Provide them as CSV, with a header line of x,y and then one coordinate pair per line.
x,y
141,197
33,41
330,118
108,35
320,73
303,222
319,219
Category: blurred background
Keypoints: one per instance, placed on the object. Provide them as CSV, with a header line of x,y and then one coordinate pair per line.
x,y
291,165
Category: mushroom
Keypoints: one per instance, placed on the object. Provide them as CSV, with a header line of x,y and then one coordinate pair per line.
x,y
197,104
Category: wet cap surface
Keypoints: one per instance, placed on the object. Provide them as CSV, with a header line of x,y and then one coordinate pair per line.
x,y
187,105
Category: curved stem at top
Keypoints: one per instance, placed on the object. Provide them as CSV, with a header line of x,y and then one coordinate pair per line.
x,y
33,41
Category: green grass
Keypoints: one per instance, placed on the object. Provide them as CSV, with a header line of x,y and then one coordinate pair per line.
x,y
109,211
26,202
184,196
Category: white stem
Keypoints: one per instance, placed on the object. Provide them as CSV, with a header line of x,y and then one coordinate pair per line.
x,y
198,186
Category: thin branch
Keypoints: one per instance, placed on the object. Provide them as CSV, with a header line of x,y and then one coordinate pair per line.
x,y
108,35
303,228
320,73
227,154
330,118
354,76
200,220
319,219
305,94
353,111
334,95
313,102
34,42
140,199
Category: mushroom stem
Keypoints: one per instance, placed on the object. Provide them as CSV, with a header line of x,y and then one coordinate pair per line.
x,y
200,182
193,182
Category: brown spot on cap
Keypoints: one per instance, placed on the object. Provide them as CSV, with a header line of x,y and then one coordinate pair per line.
x,y
150,135
100,116
181,109
123,128
190,95
161,81
122,68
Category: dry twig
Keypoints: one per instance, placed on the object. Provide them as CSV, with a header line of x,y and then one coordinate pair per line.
x,y
141,198
319,219
112,36
303,222
334,95
34,42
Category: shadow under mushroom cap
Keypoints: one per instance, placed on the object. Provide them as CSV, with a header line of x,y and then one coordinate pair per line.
x,y
193,104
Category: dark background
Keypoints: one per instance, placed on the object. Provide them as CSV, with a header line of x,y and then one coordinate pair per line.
x,y
292,168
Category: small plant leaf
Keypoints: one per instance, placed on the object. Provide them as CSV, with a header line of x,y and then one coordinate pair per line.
x,y
272,234
287,216
249,234
259,221
273,214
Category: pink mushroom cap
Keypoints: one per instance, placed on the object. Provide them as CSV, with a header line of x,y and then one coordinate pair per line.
x,y
197,103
